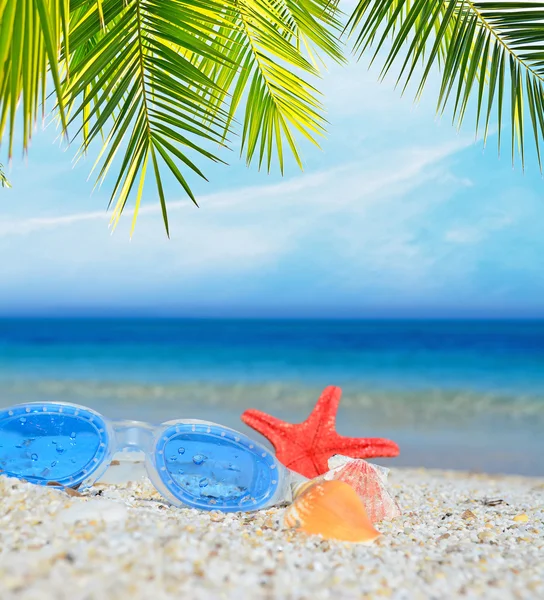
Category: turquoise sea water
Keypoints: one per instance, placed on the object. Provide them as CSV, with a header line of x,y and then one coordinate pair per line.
x,y
455,394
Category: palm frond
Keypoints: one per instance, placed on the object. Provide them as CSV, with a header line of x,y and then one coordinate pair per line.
x,y
132,84
159,72
492,51
3,179
274,45
30,37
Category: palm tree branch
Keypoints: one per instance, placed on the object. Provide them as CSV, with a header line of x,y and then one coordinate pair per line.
x,y
268,47
4,182
471,40
131,77
495,34
30,34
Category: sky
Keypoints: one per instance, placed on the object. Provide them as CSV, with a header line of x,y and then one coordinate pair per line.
x,y
398,215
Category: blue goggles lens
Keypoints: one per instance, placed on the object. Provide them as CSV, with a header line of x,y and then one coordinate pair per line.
x,y
51,443
211,467
201,465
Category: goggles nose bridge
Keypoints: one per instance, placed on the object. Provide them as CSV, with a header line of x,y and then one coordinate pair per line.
x,y
134,436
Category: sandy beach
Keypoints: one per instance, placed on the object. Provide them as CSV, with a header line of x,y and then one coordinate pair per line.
x,y
460,534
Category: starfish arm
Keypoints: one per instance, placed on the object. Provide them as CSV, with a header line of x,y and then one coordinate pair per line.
x,y
362,447
323,416
269,426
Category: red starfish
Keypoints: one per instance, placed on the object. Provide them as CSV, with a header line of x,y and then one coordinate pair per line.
x,y
306,447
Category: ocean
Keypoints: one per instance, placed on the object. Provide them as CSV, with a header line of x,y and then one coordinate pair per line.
x,y
453,394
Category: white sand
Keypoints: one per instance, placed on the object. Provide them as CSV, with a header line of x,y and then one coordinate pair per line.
x,y
125,542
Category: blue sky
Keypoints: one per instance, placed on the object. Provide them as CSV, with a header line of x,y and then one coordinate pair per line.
x,y
398,215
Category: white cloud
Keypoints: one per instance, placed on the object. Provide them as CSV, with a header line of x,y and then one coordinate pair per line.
x,y
464,235
318,232
353,185
23,226
321,231
486,226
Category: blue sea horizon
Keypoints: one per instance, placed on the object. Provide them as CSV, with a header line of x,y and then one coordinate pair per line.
x,y
454,394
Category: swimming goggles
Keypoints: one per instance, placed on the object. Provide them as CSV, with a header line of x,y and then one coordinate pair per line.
x,y
192,463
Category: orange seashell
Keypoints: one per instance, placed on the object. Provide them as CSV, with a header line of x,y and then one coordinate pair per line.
x,y
333,510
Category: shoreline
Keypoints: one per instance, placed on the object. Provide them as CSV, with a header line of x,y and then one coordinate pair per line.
x,y
453,538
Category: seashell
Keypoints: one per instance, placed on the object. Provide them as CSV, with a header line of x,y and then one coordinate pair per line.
x,y
333,510
338,460
300,487
369,481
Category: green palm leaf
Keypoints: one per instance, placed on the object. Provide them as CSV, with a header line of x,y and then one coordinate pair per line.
x,y
3,179
30,36
482,48
267,40
148,100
